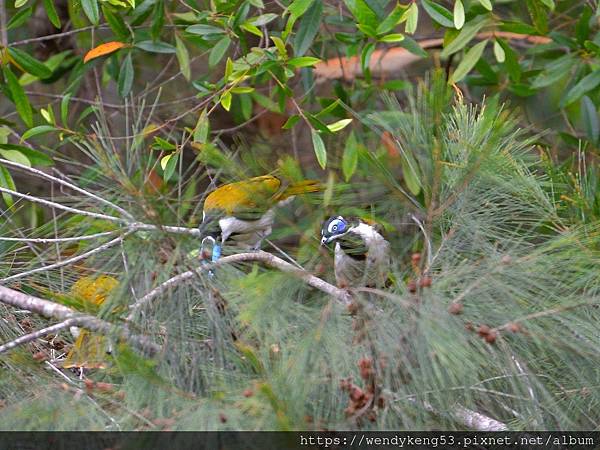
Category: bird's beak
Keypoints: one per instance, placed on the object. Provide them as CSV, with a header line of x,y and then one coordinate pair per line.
x,y
324,241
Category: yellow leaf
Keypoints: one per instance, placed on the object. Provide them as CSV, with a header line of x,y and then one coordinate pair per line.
x,y
103,49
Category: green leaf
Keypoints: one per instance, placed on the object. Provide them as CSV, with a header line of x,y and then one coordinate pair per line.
x,y
202,129
126,73
169,164
51,63
511,61
365,56
438,13
115,22
459,14
468,62
499,52
393,19
183,58
413,46
7,182
29,63
298,7
293,120
18,96
35,157
250,28
15,156
303,61
156,47
51,12
362,12
262,19
339,125
538,15
19,18
350,157
280,46
467,33
36,131
584,85
158,19
589,117
204,30
218,51
90,8
319,148
64,109
394,37
19,3
487,4
412,18
308,28
226,101
549,4
554,72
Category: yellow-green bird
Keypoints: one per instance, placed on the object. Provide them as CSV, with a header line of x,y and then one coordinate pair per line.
x,y
244,211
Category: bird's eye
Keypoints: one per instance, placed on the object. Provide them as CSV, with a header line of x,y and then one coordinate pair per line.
x,y
336,226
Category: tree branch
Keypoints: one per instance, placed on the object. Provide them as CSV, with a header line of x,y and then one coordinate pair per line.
x,y
50,309
268,259
37,334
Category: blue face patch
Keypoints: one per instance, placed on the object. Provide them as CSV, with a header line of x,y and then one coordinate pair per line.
x,y
336,226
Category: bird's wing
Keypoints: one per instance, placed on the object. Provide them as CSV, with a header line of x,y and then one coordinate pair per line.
x,y
353,245
246,200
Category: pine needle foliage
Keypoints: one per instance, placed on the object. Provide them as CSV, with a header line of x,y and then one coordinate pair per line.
x,y
497,315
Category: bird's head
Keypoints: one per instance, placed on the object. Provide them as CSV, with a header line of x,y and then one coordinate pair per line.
x,y
333,228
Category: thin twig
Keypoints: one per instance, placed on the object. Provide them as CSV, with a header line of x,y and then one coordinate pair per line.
x,y
59,240
68,261
37,334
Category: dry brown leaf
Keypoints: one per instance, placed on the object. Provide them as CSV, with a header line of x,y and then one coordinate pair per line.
x,y
103,49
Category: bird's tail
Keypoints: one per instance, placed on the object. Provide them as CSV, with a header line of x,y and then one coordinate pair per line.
x,y
89,352
302,187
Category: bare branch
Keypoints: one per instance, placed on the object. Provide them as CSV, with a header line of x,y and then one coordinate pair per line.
x,y
41,174
37,334
68,261
50,309
268,259
59,240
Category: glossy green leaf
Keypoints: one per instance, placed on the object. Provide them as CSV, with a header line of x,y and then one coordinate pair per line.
x,y
362,12
15,156
589,117
51,13
468,62
392,19
487,4
90,8
308,28
125,81
350,157
7,182
29,63
202,129
586,84
183,58
169,165
458,14
115,22
468,32
64,110
156,47
410,173
34,157
226,101
319,148
394,37
19,18
438,13
218,51
158,19
303,61
204,30
339,125
499,52
412,18
36,131
18,96
298,7
292,120
280,46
